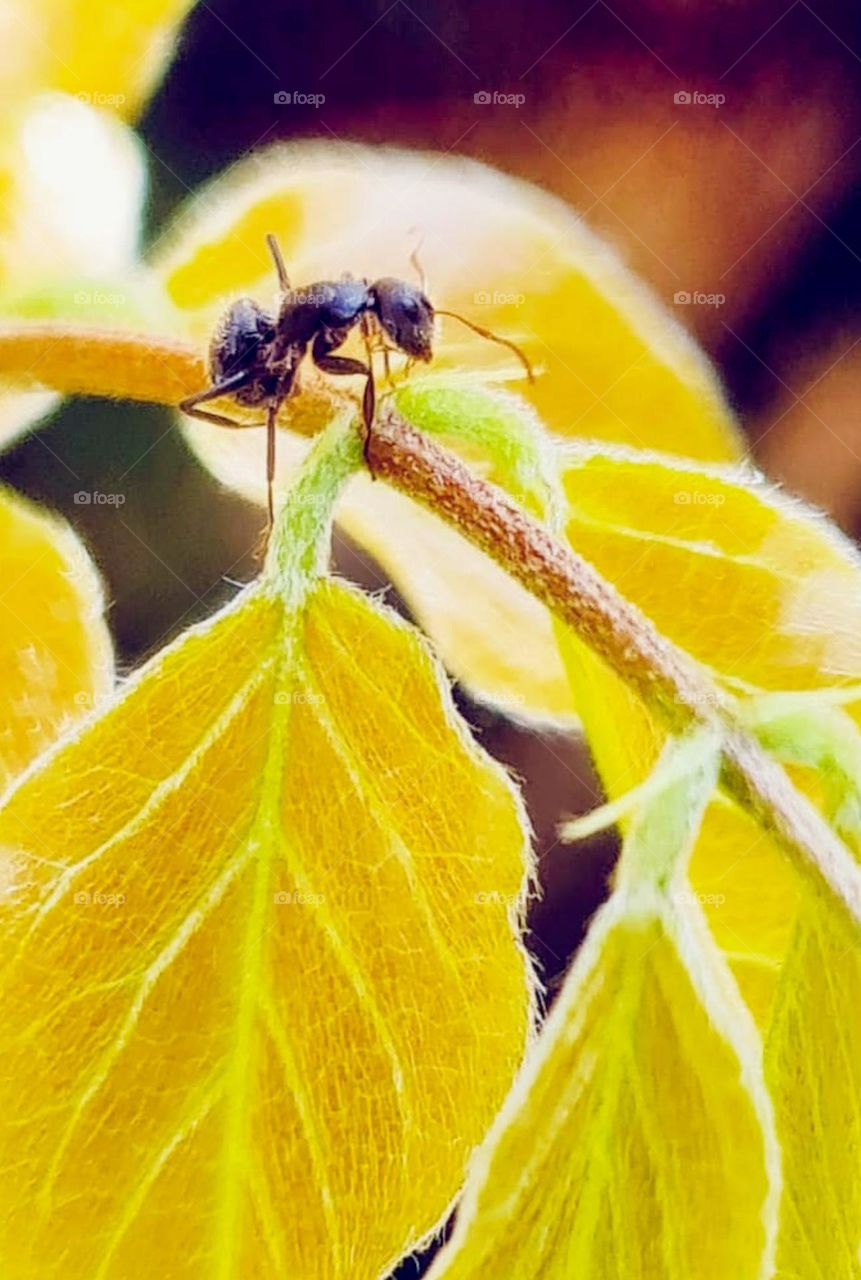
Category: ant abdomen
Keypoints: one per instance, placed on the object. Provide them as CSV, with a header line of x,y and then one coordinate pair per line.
x,y
240,344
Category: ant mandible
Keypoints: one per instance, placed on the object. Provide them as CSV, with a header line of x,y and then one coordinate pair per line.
x,y
254,356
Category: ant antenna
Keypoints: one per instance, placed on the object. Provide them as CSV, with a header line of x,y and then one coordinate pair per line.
x,y
275,250
494,337
417,266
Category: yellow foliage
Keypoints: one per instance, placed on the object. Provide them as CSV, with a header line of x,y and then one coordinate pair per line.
x,y
110,55
263,989
55,654
746,579
638,1144
71,190
767,597
813,1068
611,363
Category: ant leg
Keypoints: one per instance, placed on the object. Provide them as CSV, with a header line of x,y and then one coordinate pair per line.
x,y
369,396
375,340
341,365
275,250
224,388
271,425
369,408
344,365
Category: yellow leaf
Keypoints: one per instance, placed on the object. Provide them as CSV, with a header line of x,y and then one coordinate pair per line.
x,y
639,1141
111,56
72,183
613,364
263,989
762,592
813,1068
610,361
55,653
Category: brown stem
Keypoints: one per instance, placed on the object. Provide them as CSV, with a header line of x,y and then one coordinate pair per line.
x,y
665,677
140,367
136,366
100,362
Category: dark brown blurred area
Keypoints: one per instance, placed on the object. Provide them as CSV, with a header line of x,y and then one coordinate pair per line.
x,y
716,145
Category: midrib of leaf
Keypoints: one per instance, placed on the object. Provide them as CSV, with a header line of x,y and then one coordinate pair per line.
x,y
603,1137
693,547
291,570
241,1075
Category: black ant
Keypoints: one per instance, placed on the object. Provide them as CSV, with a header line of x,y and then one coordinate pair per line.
x,y
254,356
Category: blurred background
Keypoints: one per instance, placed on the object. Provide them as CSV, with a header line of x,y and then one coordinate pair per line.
x,y
716,145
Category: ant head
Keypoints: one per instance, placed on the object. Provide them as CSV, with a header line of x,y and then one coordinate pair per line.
x,y
239,338
406,316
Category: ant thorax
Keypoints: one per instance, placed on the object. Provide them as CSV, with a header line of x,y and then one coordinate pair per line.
x,y
326,306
